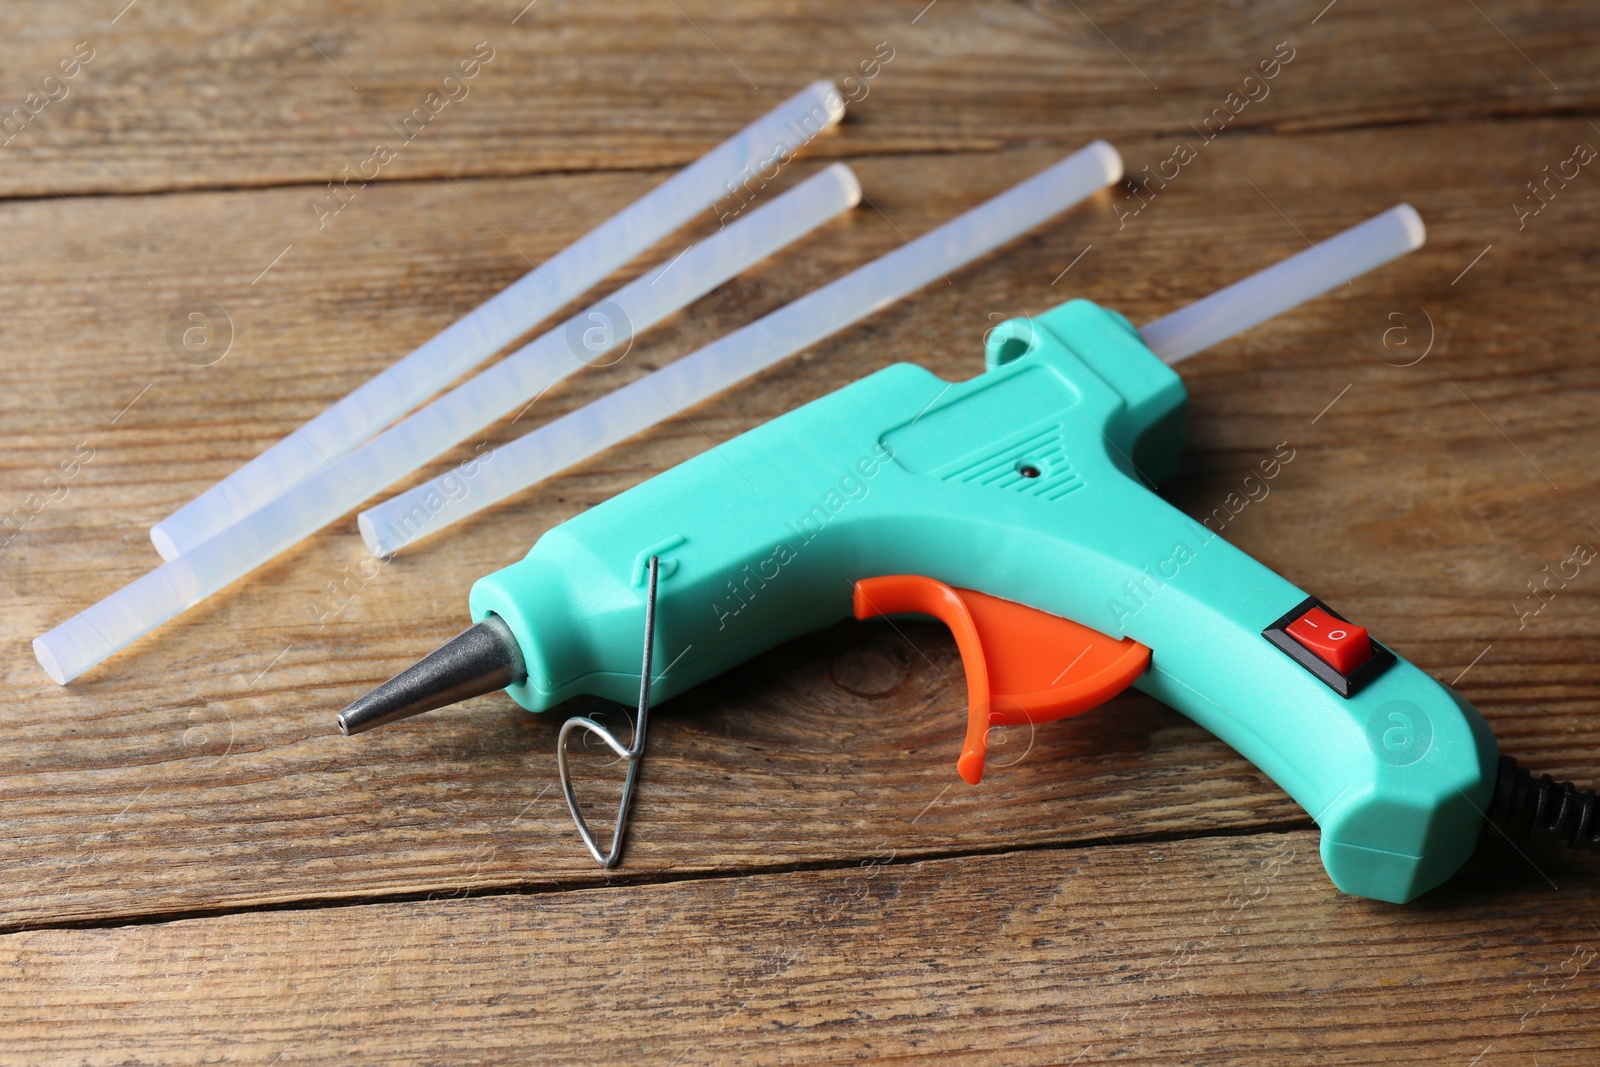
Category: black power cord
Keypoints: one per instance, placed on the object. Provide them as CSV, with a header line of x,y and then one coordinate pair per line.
x,y
1525,806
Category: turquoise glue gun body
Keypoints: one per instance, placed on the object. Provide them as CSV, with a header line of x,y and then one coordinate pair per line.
x,y
1017,507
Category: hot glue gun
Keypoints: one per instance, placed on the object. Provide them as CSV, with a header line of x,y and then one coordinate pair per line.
x,y
1017,507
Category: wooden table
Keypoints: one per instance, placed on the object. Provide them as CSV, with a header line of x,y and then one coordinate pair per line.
x,y
199,871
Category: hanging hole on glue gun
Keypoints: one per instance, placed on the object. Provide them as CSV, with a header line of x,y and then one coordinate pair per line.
x,y
1010,348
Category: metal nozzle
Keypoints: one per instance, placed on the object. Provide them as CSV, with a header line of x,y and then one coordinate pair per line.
x,y
476,661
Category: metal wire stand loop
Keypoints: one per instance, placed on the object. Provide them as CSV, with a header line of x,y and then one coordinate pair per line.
x,y
633,753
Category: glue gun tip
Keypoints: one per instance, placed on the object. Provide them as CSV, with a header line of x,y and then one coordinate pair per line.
x,y
479,660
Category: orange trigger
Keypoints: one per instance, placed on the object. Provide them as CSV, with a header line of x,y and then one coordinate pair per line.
x,y
1023,665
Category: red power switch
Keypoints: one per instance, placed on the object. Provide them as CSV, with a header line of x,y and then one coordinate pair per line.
x,y
1344,646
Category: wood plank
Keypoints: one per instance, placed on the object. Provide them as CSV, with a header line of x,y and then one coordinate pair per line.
x,y
1221,951
198,771
179,97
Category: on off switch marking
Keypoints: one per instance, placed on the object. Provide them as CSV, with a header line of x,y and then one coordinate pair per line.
x,y
1344,646
1334,649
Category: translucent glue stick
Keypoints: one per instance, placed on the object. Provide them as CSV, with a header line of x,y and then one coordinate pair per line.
x,y
397,522
502,319
339,485
1295,280
574,437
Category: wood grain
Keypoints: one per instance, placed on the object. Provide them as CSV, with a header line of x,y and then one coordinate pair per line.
x,y
1222,951
198,770
198,867
291,92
